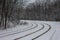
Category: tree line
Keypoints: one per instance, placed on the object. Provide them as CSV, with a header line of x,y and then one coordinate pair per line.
x,y
6,11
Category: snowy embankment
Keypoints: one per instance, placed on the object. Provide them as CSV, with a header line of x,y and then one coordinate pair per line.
x,y
34,30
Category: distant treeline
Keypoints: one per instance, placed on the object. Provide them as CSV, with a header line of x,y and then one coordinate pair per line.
x,y
50,12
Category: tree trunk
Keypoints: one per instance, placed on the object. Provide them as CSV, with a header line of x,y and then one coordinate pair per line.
x,y
2,14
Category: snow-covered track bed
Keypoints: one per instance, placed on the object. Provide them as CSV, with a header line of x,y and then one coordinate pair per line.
x,y
32,32
35,30
47,28
32,35
16,30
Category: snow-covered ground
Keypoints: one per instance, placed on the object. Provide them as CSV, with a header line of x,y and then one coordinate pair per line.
x,y
34,30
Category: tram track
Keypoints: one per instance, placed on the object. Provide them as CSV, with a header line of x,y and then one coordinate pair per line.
x,y
31,33
36,32
42,33
20,31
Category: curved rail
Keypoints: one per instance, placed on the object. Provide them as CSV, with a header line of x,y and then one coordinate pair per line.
x,y
24,28
38,29
42,33
30,33
20,31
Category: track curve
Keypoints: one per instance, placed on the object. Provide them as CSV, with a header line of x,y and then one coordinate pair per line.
x,y
35,32
43,33
32,32
29,28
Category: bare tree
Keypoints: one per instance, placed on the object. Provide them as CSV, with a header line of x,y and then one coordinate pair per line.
x,y
7,9
2,14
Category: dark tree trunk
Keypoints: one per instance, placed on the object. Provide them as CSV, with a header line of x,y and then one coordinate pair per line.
x,y
8,7
2,14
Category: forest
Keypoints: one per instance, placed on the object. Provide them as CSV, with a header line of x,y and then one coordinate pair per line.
x,y
16,10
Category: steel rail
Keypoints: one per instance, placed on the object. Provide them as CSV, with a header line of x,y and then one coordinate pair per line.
x,y
30,33
42,33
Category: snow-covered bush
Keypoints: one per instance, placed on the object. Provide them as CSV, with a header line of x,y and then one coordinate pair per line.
x,y
23,23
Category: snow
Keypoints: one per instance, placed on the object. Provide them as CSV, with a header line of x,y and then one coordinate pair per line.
x,y
37,30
